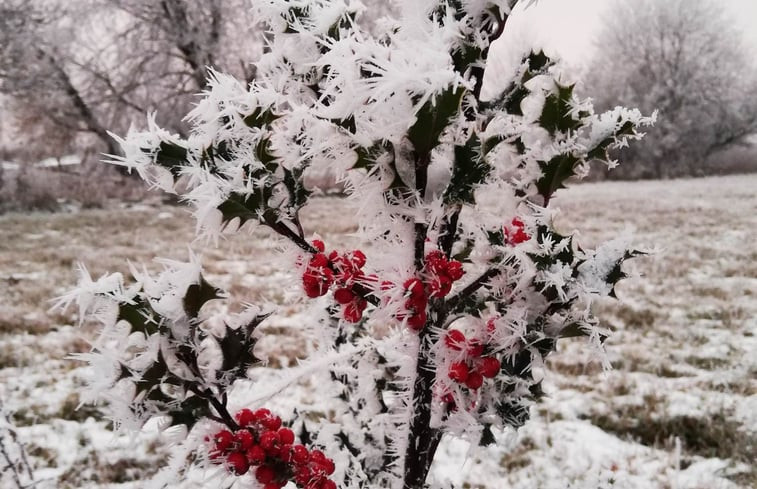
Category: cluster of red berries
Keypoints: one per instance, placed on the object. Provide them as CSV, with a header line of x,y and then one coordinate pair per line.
x,y
515,233
475,366
441,273
261,442
345,271
415,304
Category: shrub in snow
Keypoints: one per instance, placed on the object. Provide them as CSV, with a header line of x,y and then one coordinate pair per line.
x,y
440,324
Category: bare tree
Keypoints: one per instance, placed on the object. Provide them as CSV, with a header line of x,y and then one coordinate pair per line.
x,y
79,69
686,59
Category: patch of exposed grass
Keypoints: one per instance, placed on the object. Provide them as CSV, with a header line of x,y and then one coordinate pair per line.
x,y
715,435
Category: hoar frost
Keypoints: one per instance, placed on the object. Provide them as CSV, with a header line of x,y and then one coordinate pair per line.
x,y
442,327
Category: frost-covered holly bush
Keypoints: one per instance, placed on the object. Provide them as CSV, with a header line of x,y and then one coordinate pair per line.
x,y
440,324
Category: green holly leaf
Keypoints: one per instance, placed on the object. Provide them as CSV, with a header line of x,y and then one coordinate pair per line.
x,y
236,347
245,206
600,150
265,156
197,295
171,156
555,173
617,274
189,412
260,117
432,118
487,436
298,194
150,380
556,114
140,316
469,171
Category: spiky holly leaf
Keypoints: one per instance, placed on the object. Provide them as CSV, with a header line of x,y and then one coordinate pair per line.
x,y
512,413
171,156
197,295
245,206
432,118
555,172
260,117
140,315
557,112
487,436
600,150
468,171
150,380
264,154
189,412
617,274
298,194
236,347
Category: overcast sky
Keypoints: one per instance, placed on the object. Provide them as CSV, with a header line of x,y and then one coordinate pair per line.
x,y
572,24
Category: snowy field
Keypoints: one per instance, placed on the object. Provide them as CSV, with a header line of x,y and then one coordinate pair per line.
x,y
677,411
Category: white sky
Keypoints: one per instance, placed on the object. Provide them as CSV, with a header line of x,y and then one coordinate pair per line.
x,y
570,25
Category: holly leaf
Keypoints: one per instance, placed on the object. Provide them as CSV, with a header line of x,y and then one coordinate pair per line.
x,y
197,295
236,347
557,112
616,273
189,412
469,170
245,206
298,194
150,380
140,316
554,174
260,117
487,436
172,157
432,118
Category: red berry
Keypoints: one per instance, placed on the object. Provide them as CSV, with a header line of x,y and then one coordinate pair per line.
x,y
237,463
245,417
319,245
344,295
319,260
475,348
303,475
516,234
358,258
243,439
455,270
491,326
454,339
270,442
270,421
223,440
475,380
458,372
286,436
415,287
317,456
285,453
328,466
300,454
489,367
262,413
255,455
417,321
353,311
264,474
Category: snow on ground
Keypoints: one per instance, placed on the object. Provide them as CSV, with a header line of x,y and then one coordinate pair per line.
x,y
678,410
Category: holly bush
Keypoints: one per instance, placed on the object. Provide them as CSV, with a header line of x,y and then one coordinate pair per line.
x,y
440,324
